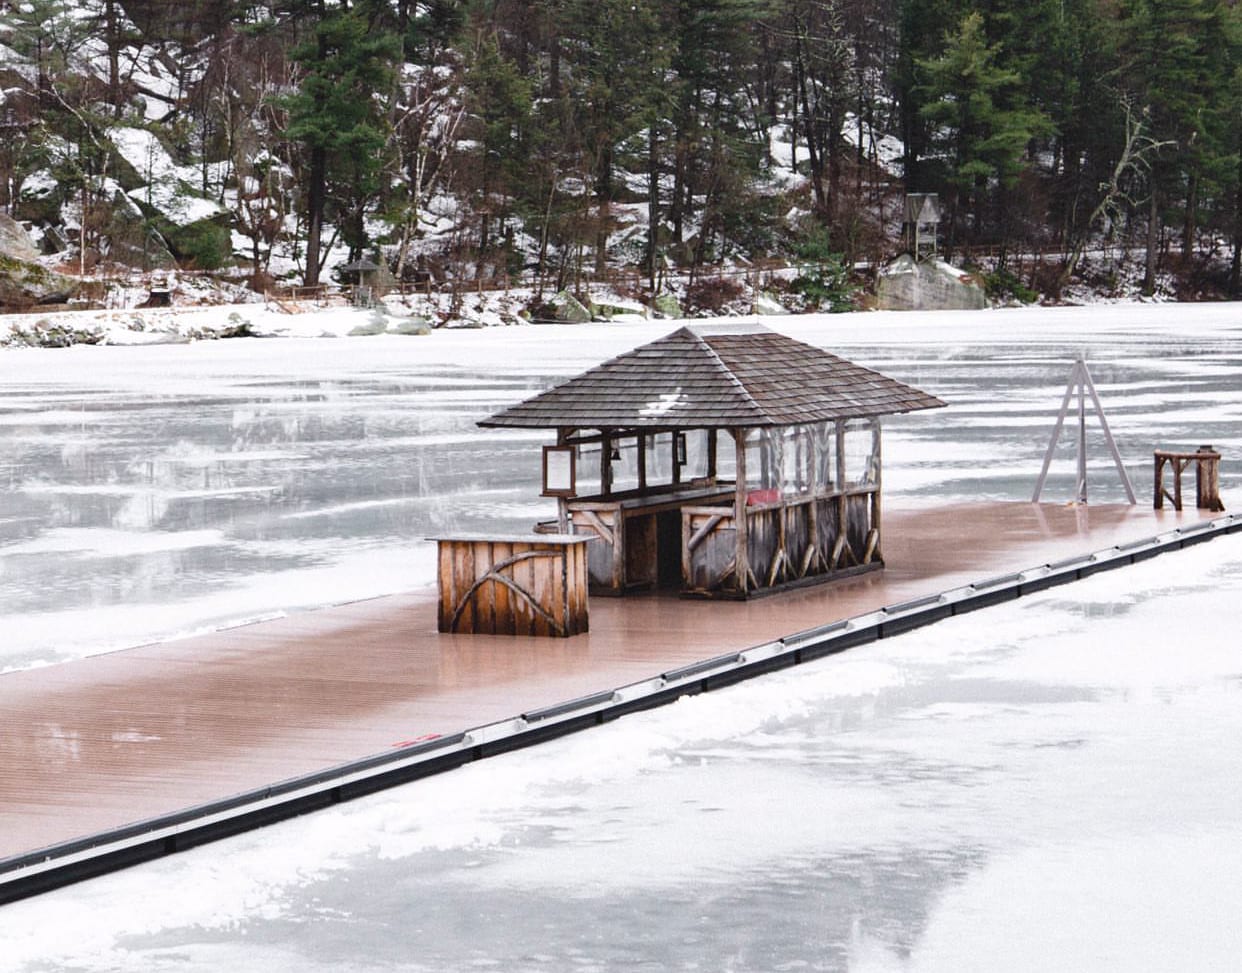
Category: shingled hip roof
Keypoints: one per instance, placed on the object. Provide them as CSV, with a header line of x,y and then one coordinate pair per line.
x,y
716,377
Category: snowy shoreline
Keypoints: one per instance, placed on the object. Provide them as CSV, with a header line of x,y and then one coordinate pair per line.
x,y
417,316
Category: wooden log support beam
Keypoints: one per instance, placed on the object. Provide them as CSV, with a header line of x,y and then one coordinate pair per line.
x,y
877,507
700,535
605,463
778,562
593,520
837,550
873,543
808,558
843,516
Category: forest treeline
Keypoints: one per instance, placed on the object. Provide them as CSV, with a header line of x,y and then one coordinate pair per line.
x,y
564,137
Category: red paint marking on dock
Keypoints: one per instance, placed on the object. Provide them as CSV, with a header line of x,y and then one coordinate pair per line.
x,y
425,738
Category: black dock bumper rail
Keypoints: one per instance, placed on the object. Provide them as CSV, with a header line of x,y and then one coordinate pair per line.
x,y
44,869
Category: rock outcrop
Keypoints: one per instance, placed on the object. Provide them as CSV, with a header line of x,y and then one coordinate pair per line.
x,y
23,282
907,284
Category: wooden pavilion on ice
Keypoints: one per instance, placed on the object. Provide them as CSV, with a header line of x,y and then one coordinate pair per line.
x,y
722,461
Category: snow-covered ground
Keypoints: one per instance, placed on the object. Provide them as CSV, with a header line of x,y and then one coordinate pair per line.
x,y
1048,785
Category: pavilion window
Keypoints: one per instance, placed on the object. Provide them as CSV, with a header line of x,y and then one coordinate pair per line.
x,y
625,465
862,452
660,457
726,458
588,469
824,443
697,465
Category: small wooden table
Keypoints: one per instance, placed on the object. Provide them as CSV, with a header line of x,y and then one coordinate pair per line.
x,y
1207,478
513,585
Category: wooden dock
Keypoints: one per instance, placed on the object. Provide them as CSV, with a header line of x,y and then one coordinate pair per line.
x,y
109,740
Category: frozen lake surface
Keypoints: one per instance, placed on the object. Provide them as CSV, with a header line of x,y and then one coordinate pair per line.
x,y
1051,784
147,492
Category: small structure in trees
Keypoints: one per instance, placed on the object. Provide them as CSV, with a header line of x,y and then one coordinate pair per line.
x,y
721,461
921,224
364,290
917,279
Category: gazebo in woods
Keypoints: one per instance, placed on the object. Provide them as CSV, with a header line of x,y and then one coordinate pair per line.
x,y
720,461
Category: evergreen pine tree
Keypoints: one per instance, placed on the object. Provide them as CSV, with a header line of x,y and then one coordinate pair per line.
x,y
335,115
982,125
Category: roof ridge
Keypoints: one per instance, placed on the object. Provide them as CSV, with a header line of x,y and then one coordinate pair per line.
x,y
729,373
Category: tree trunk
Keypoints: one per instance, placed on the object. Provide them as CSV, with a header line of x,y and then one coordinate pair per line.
x,y
603,197
316,191
1235,267
1190,222
113,40
653,205
1153,241
810,126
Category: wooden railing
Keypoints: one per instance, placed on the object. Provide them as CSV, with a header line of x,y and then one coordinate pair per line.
x,y
788,542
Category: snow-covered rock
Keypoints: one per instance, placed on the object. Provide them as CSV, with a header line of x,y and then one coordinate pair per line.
x,y
907,284
15,242
569,310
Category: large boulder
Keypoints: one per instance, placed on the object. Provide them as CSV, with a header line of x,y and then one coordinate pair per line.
x,y
15,242
23,283
907,284
666,305
606,307
765,303
569,309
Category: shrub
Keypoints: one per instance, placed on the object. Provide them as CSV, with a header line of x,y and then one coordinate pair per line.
x,y
1002,284
204,245
823,280
711,295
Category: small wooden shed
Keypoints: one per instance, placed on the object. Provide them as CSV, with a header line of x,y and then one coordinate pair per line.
x,y
721,461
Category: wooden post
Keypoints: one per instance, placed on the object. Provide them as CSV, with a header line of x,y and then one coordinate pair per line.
x,y
741,570
1082,442
876,498
642,461
711,454
605,462
843,518
562,503
1207,480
